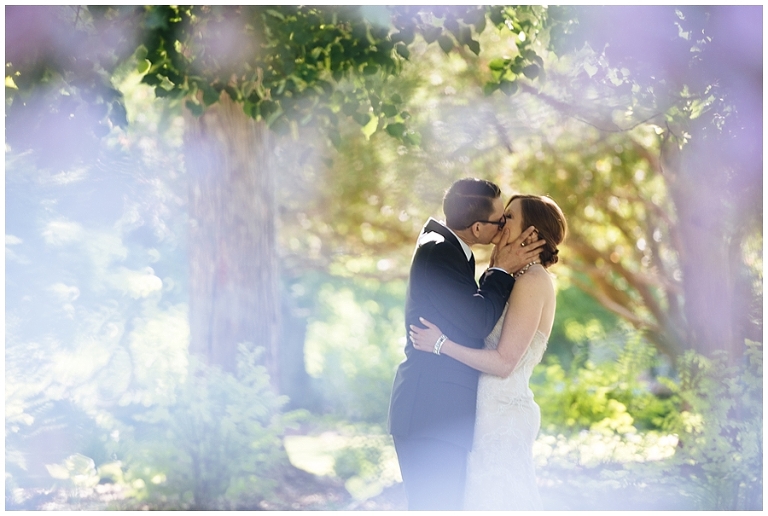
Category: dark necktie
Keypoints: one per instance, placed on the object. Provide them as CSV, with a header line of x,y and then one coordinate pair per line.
x,y
472,264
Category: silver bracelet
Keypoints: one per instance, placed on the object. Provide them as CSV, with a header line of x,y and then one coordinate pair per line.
x,y
439,344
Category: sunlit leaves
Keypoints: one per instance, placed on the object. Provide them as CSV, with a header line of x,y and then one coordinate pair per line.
x,y
294,56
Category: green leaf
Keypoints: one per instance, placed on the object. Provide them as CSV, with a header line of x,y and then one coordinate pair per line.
x,y
375,101
389,110
531,71
474,16
405,35
498,64
335,138
445,42
396,99
141,53
370,127
480,24
370,69
474,46
194,108
362,118
508,87
280,125
151,80
413,138
402,50
326,87
232,92
397,129
430,34
267,108
143,65
251,109
117,114
210,95
529,54
465,35
490,87
349,108
496,16
453,26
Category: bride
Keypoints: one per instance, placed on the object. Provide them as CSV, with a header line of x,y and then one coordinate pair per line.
x,y
500,470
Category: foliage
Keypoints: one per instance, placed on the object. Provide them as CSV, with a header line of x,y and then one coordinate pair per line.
x,y
354,345
720,427
286,65
91,328
612,393
684,84
701,441
215,445
365,464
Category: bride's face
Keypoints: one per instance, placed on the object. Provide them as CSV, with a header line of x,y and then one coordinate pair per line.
x,y
514,214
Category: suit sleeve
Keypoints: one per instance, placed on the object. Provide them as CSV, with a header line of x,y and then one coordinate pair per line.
x,y
457,298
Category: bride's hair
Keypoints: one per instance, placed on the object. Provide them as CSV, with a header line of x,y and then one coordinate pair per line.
x,y
546,216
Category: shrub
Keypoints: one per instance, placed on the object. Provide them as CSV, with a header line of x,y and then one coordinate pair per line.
x,y
612,395
720,428
216,446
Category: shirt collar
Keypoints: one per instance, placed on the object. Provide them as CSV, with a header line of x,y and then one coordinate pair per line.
x,y
467,250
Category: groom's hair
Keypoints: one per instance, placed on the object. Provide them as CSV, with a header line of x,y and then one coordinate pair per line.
x,y
469,200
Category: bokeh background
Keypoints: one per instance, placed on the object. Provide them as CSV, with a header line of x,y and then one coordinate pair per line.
x,y
210,213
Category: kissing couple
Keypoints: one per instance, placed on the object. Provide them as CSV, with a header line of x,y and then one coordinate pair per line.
x,y
462,415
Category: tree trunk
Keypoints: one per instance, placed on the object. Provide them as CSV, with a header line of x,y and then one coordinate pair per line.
x,y
234,271
706,246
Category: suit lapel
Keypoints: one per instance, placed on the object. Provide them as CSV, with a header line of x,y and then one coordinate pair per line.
x,y
435,226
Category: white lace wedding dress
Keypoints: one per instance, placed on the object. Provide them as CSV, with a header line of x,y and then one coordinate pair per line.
x,y
500,470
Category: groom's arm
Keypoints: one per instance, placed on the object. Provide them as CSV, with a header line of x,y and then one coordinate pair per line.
x,y
454,294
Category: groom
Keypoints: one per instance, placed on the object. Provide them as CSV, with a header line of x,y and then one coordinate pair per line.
x,y
432,408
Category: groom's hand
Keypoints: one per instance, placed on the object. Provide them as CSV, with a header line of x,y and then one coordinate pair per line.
x,y
513,256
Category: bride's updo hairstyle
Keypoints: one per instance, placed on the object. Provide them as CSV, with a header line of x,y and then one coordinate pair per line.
x,y
548,219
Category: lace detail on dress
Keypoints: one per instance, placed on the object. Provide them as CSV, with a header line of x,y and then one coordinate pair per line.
x,y
500,469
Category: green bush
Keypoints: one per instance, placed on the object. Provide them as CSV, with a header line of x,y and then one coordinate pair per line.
x,y
353,348
611,395
720,429
217,445
605,431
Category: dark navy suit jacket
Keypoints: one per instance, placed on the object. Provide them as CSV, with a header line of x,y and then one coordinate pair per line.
x,y
435,396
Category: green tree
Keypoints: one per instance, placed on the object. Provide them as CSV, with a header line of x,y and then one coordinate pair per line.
x,y
671,247
240,71
696,78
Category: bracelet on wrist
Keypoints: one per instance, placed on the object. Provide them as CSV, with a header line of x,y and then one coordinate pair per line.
x,y
439,344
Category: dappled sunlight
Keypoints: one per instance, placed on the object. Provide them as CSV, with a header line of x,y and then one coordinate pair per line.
x,y
335,454
593,448
137,284
211,211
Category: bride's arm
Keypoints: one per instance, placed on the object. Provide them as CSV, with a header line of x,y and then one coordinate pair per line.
x,y
523,315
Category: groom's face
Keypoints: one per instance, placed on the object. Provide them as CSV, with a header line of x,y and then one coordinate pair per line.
x,y
491,232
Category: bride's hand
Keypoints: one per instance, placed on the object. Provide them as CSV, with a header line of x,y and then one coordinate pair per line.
x,y
424,339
